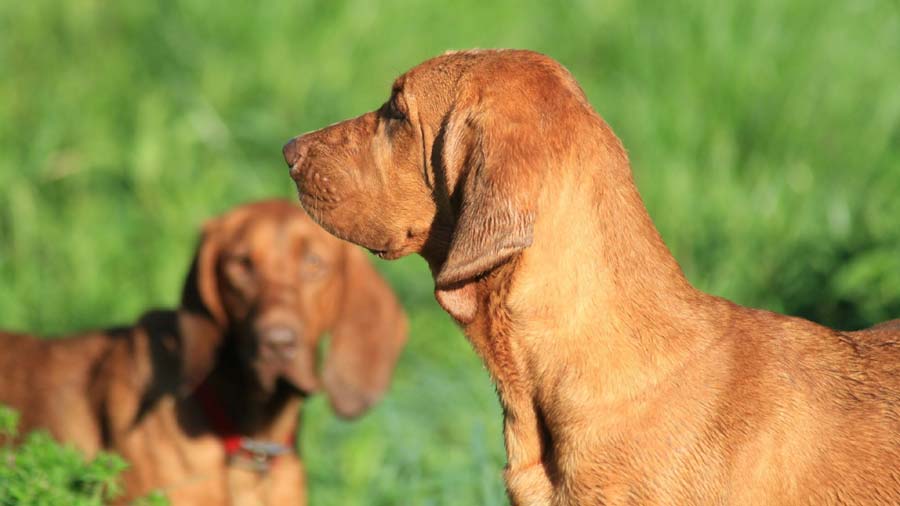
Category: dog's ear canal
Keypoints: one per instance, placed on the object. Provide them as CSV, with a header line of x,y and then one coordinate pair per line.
x,y
201,315
490,158
367,337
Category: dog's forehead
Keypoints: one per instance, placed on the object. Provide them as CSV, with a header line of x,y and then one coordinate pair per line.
x,y
285,229
268,224
446,67
444,73
433,84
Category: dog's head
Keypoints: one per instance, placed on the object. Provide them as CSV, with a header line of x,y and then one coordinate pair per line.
x,y
266,284
450,166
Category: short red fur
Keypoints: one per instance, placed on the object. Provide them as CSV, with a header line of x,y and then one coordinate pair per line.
x,y
620,382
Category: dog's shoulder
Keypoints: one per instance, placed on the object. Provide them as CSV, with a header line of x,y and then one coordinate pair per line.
x,y
880,347
885,335
44,359
792,353
143,353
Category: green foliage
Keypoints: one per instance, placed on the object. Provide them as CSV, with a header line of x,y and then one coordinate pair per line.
x,y
9,423
41,472
765,139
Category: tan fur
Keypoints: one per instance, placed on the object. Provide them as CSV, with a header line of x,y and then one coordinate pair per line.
x,y
620,382
260,266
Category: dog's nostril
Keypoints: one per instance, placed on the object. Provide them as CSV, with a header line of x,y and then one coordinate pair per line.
x,y
280,339
293,152
281,335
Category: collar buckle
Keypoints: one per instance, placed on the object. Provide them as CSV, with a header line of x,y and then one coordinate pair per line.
x,y
257,455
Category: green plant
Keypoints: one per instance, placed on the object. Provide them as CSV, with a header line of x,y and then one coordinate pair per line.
x,y
41,472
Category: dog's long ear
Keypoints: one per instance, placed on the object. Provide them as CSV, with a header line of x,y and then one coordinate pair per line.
x,y
202,317
489,154
366,338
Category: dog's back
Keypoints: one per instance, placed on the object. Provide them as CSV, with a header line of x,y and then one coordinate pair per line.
x,y
863,447
880,345
812,412
49,382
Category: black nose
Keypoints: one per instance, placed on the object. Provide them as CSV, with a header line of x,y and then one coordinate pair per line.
x,y
294,151
280,341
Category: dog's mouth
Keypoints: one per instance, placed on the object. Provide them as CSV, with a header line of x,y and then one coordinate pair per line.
x,y
272,372
397,247
386,254
414,240
289,386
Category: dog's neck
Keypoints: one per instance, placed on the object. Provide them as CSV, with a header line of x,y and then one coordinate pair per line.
x,y
598,286
596,311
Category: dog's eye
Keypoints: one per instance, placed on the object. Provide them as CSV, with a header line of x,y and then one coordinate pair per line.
x,y
239,271
312,260
312,266
242,262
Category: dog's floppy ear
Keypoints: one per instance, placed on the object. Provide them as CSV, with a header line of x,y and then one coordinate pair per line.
x,y
366,338
488,156
202,318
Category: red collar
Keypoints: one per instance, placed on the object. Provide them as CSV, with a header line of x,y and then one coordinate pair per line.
x,y
238,448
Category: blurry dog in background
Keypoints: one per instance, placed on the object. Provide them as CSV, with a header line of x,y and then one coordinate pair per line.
x,y
204,400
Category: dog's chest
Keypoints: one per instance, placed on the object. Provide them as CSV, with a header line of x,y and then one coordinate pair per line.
x,y
194,469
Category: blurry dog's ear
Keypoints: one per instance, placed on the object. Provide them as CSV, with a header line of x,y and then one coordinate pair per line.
x,y
366,338
491,156
202,317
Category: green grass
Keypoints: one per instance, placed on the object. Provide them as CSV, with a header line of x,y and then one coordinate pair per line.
x,y
765,137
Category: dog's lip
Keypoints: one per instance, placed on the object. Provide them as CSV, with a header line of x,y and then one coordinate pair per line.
x,y
388,250
396,248
386,254
311,201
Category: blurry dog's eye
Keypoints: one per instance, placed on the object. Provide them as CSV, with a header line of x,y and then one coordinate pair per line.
x,y
239,270
313,260
312,266
242,261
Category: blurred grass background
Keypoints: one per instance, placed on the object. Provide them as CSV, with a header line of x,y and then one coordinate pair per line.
x,y
765,138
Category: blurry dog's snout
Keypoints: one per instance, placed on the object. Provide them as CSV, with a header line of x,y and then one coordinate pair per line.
x,y
280,341
294,152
